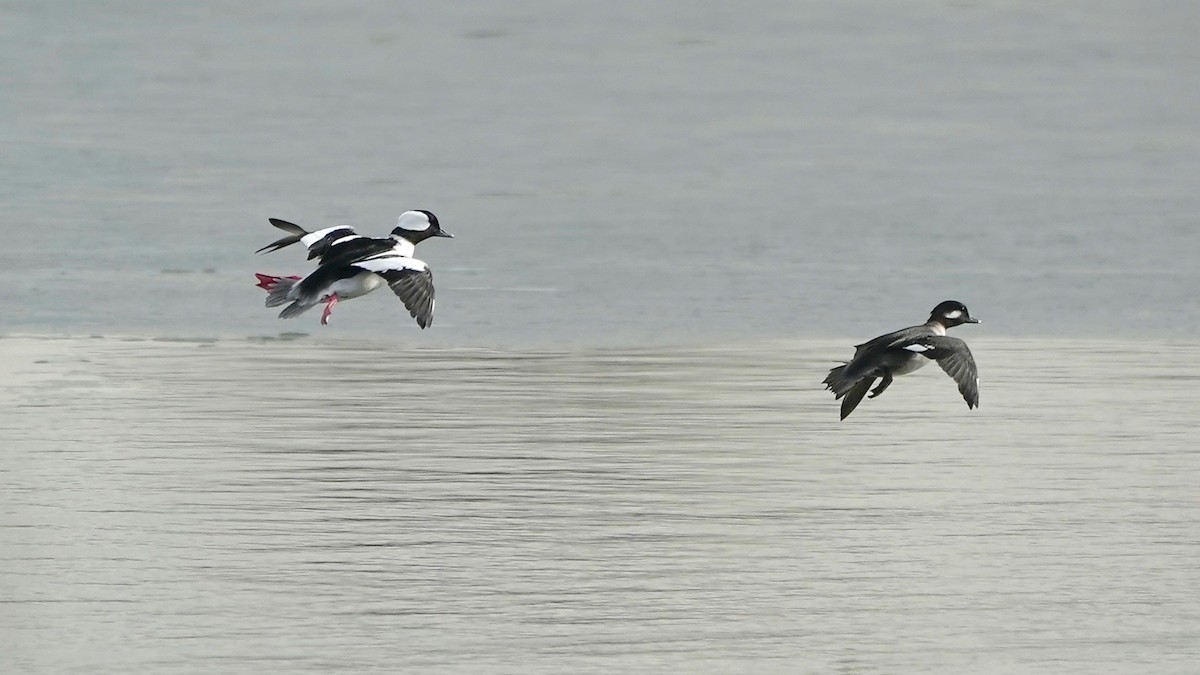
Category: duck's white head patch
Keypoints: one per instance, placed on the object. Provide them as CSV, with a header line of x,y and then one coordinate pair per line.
x,y
415,221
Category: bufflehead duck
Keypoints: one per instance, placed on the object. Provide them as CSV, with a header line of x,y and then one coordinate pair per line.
x,y
343,243
350,265
904,351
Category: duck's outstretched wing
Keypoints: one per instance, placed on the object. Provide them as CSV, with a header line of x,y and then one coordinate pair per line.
x,y
320,243
341,245
410,279
295,233
955,358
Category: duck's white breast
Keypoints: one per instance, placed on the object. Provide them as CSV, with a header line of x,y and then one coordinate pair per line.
x,y
359,284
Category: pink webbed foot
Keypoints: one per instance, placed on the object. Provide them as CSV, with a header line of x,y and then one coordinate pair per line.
x,y
267,282
329,303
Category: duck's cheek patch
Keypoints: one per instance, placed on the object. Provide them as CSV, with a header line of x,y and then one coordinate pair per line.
x,y
954,315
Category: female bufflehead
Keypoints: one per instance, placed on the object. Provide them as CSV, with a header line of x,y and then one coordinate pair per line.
x,y
904,351
350,265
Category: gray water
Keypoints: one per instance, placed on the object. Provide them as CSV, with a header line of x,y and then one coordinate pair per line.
x,y
240,506
615,173
611,451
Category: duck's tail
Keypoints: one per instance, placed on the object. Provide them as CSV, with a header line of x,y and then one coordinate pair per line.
x,y
850,389
838,382
296,309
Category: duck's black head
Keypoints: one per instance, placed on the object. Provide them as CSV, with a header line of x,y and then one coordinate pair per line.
x,y
418,225
951,313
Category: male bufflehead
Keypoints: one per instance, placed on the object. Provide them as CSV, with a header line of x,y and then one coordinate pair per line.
x,y
412,228
350,265
904,351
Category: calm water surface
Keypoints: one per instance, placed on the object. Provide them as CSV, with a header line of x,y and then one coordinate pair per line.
x,y
274,505
615,173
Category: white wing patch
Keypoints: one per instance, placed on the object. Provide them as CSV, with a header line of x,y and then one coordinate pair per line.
x,y
390,261
410,280
918,348
313,237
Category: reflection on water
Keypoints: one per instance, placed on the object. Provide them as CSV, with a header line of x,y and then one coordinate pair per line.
x,y
281,505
